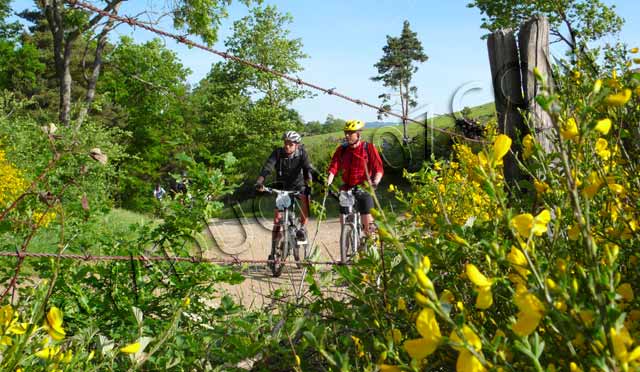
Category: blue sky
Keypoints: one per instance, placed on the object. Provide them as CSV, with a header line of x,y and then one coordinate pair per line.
x,y
344,39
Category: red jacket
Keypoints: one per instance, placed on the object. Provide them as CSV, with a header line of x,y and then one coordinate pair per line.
x,y
352,163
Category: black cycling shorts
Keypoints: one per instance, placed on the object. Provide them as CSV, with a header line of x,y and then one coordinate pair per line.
x,y
364,202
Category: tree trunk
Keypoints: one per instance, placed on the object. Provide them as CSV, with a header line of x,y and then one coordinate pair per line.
x,y
54,19
65,84
63,47
403,104
505,74
97,66
533,41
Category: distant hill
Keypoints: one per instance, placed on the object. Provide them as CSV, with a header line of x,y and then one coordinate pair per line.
x,y
378,124
482,112
327,141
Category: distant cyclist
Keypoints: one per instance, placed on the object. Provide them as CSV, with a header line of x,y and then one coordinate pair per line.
x,y
159,192
359,162
293,171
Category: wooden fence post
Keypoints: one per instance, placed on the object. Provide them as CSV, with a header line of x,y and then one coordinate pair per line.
x,y
507,89
533,40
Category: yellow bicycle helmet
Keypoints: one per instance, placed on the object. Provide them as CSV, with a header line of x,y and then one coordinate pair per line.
x,y
353,125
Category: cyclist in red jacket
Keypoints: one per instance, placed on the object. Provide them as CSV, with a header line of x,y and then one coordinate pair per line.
x,y
359,162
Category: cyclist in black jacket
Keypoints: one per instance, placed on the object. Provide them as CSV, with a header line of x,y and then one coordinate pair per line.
x,y
293,171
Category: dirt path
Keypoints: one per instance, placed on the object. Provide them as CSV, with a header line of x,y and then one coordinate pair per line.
x,y
252,241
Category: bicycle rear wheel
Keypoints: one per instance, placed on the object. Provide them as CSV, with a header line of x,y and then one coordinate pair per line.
x,y
348,242
300,245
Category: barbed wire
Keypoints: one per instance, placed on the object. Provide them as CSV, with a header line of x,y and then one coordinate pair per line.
x,y
142,258
182,39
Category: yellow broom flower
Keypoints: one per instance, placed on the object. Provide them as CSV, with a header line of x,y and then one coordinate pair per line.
x,y
483,286
540,186
597,86
501,146
527,146
618,99
530,315
476,276
420,348
428,328
526,223
466,360
603,125
570,129
594,184
518,259
469,335
602,148
53,324
131,348
48,352
389,368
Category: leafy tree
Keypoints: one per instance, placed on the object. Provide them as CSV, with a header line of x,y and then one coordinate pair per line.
x,y
396,68
333,124
312,127
20,66
262,37
19,62
67,24
465,112
148,85
574,22
245,110
7,30
221,109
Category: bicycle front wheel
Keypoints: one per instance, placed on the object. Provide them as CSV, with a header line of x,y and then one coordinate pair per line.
x,y
280,252
348,242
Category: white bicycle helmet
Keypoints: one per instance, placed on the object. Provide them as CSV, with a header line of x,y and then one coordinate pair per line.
x,y
292,136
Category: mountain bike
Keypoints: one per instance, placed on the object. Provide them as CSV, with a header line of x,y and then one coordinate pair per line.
x,y
289,237
352,236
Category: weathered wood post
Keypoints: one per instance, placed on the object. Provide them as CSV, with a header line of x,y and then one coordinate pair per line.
x,y
533,40
507,90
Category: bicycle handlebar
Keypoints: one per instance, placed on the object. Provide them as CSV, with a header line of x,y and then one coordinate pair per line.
x,y
271,190
336,194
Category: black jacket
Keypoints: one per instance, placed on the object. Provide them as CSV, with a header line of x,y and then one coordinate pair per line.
x,y
292,170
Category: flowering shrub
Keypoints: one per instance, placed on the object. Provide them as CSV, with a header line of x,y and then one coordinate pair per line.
x,y
545,282
452,191
483,274
62,315
12,184
36,343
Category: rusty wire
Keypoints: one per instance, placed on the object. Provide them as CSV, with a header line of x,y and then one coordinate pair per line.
x,y
21,255
182,39
233,261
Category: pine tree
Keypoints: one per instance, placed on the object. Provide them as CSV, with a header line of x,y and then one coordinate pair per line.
x,y
396,68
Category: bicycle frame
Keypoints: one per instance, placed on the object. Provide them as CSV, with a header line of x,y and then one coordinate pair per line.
x,y
286,226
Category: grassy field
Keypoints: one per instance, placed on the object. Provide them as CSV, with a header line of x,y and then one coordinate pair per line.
x,y
118,225
482,112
